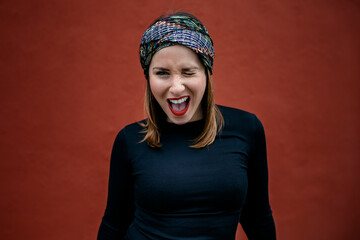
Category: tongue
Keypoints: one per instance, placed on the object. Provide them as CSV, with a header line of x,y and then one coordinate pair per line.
x,y
178,107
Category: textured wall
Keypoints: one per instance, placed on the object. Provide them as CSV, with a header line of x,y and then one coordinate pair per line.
x,y
70,79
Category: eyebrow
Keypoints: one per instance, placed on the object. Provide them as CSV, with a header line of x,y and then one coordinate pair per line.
x,y
160,68
190,68
184,69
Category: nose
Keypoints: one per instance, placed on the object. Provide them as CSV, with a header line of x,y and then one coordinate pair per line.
x,y
177,87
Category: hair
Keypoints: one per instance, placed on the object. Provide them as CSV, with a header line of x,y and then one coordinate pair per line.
x,y
213,122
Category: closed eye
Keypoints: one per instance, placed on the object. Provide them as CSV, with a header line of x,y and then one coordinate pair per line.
x,y
188,73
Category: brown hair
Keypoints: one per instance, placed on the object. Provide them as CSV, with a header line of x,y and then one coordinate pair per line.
x,y
214,121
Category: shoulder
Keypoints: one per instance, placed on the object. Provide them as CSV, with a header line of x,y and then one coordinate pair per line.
x,y
234,112
243,125
237,118
134,127
131,133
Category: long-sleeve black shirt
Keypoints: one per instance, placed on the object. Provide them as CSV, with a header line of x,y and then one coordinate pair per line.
x,y
181,193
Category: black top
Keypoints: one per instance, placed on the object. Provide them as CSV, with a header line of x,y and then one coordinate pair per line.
x,y
177,192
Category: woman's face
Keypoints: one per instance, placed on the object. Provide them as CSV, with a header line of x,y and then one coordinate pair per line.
x,y
178,81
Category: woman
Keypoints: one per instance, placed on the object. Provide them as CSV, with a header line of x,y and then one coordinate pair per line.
x,y
192,170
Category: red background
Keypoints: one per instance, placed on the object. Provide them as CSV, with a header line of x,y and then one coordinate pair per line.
x,y
71,79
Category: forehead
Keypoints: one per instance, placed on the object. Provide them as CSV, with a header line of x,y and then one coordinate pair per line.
x,y
176,55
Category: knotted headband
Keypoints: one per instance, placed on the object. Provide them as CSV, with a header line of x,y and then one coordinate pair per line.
x,y
183,30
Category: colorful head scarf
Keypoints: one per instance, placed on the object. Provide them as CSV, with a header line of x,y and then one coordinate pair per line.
x,y
177,29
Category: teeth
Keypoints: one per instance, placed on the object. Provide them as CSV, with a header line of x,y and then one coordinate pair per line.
x,y
179,101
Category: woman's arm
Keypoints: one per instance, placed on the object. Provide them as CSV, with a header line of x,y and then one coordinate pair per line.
x,y
256,218
119,211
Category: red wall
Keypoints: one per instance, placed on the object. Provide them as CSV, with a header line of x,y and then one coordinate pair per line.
x,y
70,79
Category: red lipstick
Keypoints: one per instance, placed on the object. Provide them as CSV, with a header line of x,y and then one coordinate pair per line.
x,y
172,102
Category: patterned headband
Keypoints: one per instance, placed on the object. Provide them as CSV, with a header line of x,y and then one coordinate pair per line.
x,y
183,30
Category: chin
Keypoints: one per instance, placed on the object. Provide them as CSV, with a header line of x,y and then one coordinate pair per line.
x,y
178,121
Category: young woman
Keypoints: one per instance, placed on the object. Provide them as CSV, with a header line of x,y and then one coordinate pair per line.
x,y
192,169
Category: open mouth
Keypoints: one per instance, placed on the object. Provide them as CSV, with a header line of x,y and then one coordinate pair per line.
x,y
179,106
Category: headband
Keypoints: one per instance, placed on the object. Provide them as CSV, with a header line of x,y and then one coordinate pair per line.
x,y
173,30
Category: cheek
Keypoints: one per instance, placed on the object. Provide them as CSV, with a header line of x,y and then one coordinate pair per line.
x,y
201,88
157,89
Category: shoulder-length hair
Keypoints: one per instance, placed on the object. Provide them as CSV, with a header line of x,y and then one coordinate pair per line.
x,y
213,121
